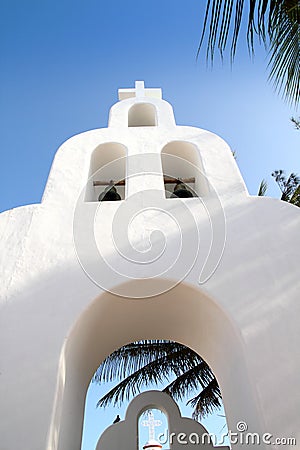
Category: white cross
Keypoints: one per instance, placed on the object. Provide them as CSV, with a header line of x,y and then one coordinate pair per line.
x,y
139,91
151,423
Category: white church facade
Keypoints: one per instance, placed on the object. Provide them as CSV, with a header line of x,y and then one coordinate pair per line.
x,y
217,271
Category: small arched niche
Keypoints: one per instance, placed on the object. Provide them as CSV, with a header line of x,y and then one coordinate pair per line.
x,y
142,115
181,161
153,425
108,164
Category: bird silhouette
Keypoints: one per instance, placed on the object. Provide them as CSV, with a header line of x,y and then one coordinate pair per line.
x,y
181,191
117,419
110,194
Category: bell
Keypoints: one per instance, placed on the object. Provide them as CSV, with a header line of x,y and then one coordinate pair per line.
x,y
180,191
110,194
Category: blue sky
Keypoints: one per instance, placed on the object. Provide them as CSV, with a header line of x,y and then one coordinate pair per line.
x,y
63,62
98,419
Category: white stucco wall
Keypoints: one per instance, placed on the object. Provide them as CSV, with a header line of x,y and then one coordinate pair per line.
x,y
57,324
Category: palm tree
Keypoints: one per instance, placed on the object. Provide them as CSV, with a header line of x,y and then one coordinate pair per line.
x,y
275,22
145,363
290,187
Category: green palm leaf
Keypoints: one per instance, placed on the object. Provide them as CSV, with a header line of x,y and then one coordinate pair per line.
x,y
262,188
295,198
151,362
275,22
223,16
288,186
285,50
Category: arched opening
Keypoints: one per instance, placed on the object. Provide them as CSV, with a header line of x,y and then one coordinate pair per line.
x,y
181,164
142,115
169,362
107,166
186,315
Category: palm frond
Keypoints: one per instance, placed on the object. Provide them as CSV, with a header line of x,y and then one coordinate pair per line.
x,y
133,383
295,199
280,178
223,16
286,185
296,122
276,23
262,188
284,62
291,184
130,358
146,363
134,356
207,401
196,378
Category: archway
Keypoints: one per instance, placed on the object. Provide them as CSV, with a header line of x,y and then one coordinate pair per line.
x,y
181,160
142,115
184,314
168,366
108,162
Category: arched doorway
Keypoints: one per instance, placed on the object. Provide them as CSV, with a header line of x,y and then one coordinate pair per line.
x,y
157,366
184,314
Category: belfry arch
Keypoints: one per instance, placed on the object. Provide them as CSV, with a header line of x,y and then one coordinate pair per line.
x,y
187,315
108,162
142,115
181,160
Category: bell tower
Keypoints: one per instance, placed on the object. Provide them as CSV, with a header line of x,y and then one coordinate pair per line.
x,y
182,252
